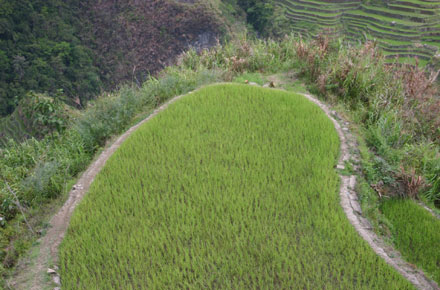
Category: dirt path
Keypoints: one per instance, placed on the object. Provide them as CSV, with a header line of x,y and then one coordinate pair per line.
x,y
48,254
429,210
35,276
353,211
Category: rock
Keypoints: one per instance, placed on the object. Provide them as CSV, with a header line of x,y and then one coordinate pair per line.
x,y
56,280
340,167
205,40
352,196
352,184
365,223
51,271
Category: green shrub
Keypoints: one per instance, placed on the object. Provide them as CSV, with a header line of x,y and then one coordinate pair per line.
x,y
433,194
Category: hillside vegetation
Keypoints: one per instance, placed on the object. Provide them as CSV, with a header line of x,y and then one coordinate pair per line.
x,y
395,107
404,29
77,48
45,145
232,187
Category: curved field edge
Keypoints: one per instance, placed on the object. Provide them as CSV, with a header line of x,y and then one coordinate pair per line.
x,y
351,203
35,276
231,187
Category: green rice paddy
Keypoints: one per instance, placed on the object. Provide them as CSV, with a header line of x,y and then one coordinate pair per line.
x,y
416,234
231,187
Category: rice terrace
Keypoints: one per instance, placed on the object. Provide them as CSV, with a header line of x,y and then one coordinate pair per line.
x,y
231,187
220,144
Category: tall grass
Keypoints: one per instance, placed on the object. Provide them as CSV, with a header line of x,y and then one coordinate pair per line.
x,y
232,187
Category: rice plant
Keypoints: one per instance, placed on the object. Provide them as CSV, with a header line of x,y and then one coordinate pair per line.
x,y
232,187
416,234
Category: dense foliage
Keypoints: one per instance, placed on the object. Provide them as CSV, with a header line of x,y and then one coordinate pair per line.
x,y
40,50
265,17
259,13
80,47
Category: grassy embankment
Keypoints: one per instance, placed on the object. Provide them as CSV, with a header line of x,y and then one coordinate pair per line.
x,y
416,233
231,187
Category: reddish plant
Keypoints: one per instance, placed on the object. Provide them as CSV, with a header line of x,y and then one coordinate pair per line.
x,y
422,104
322,42
411,181
302,50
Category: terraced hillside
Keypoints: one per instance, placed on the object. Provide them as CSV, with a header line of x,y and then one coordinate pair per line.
x,y
232,187
403,28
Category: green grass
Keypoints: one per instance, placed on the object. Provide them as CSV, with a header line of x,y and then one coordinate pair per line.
x,y
250,77
416,234
232,187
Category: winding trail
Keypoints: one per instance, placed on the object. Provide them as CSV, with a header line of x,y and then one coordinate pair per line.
x,y
353,211
49,244
59,223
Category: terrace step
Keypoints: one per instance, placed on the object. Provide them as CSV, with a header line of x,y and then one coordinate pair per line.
x,y
402,27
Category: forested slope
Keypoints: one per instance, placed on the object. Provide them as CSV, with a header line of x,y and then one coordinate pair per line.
x,y
75,48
